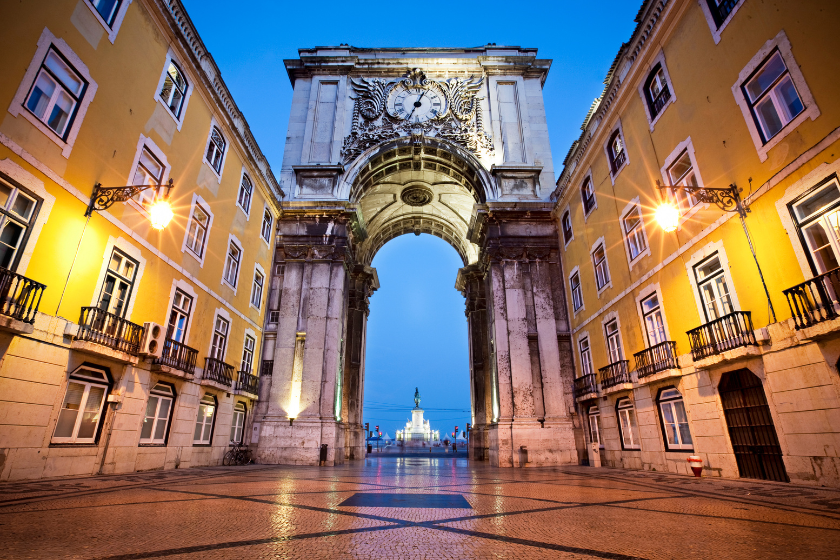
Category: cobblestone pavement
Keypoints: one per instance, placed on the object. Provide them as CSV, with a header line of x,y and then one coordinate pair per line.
x,y
264,511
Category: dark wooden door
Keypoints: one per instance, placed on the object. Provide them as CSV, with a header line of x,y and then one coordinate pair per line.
x,y
751,428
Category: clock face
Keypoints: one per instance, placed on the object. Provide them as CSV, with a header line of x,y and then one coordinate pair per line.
x,y
416,104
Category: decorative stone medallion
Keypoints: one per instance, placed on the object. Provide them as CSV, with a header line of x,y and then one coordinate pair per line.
x,y
417,195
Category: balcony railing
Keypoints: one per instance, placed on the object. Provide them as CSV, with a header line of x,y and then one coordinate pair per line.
x,y
814,300
19,296
247,382
178,356
656,358
729,332
660,101
615,374
619,160
107,329
585,385
218,371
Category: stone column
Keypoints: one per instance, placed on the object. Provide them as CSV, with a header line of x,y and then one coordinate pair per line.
x,y
525,306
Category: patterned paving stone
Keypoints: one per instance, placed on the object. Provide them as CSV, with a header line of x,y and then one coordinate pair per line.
x,y
264,511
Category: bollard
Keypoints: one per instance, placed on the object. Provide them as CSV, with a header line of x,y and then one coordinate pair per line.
x,y
370,448
323,458
594,455
523,455
696,464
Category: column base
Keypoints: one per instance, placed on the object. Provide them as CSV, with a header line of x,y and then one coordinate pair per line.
x,y
479,445
529,443
300,443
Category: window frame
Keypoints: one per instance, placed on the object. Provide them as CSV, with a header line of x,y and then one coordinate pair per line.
x,y
567,216
179,118
232,242
215,352
601,244
575,273
585,354
28,225
112,28
245,351
118,276
612,339
250,196
663,400
712,19
684,147
646,95
597,431
814,218
80,378
624,404
258,271
634,205
267,237
233,426
146,143
203,402
214,126
587,180
173,309
159,393
616,131
185,248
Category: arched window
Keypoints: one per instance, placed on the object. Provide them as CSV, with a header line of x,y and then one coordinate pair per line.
x,y
618,155
237,425
674,420
204,422
216,149
245,191
657,92
587,194
83,409
174,89
629,429
567,227
158,414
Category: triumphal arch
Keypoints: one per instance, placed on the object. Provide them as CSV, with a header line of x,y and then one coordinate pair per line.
x,y
387,142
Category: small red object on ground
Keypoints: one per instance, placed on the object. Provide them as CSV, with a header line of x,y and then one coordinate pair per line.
x,y
696,464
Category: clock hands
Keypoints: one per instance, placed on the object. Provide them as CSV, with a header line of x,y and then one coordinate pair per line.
x,y
416,104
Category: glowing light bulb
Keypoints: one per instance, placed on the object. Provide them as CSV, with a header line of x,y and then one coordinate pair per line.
x,y
161,213
667,216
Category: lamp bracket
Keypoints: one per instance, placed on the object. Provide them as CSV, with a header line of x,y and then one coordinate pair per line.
x,y
727,199
103,198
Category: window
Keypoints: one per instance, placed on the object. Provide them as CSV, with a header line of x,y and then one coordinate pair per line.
x,y
585,356
158,413
257,290
817,216
616,151
246,189
627,421
174,90
220,334
613,341
179,317
107,9
56,93
634,232
231,271
577,293
682,174
238,423
720,9
674,420
118,284
714,291
599,260
566,223
197,230
18,211
82,410
772,96
652,316
216,150
587,193
267,222
595,425
149,171
248,354
657,92
204,422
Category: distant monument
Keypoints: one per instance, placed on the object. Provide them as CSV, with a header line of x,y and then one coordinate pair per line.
x,y
417,432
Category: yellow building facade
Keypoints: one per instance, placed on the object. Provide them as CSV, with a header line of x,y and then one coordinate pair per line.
x,y
685,343
125,347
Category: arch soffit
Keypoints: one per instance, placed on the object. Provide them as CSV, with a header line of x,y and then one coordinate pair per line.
x,y
417,223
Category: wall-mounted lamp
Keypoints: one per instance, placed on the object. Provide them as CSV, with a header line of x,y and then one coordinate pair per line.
x,y
291,420
161,213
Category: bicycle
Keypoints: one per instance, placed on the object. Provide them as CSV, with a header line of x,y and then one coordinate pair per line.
x,y
238,454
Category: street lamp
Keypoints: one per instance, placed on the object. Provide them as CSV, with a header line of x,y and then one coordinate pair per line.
x,y
727,199
161,213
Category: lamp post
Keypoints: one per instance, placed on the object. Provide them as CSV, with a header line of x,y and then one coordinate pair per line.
x,y
161,213
727,199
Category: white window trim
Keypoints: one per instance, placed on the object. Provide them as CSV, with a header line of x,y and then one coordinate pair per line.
x,y
232,239
254,359
600,241
681,446
811,110
108,384
197,199
696,258
612,315
645,293
17,108
220,312
158,153
797,189
581,335
247,211
31,182
133,252
179,121
576,270
567,210
257,268
588,175
617,126
215,421
185,287
118,18
688,147
637,444
635,203
173,398
215,124
660,59
266,207
717,31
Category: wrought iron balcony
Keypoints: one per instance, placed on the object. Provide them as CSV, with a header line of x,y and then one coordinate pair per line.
x,y
657,358
727,333
615,374
814,300
619,160
660,101
218,372
19,296
178,356
585,385
107,329
247,383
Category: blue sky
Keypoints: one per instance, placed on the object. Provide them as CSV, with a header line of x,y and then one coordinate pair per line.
x,y
417,332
